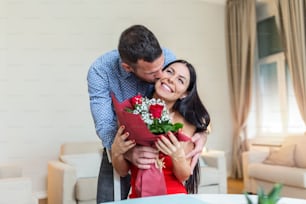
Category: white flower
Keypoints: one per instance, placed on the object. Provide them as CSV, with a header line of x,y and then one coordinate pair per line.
x,y
154,114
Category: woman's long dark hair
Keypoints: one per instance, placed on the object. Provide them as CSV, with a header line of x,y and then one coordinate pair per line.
x,y
193,111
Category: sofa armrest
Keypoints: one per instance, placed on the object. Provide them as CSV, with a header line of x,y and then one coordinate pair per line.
x,y
252,156
61,183
216,159
17,190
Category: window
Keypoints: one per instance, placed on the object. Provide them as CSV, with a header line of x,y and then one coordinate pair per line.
x,y
274,109
269,41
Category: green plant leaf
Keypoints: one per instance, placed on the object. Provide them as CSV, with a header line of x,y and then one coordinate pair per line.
x,y
248,198
274,193
262,198
272,197
165,126
177,126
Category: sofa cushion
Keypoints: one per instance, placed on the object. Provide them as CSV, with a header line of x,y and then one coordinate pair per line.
x,y
283,156
211,176
86,188
87,165
278,174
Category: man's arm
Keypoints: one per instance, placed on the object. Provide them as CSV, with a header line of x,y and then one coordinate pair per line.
x,y
199,139
142,156
101,104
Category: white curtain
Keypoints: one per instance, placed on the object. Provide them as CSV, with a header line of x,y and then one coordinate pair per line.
x,y
291,18
240,41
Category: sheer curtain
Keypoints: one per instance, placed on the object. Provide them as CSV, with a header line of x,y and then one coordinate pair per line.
x,y
292,17
240,41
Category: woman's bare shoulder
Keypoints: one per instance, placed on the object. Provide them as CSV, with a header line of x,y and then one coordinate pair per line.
x,y
188,129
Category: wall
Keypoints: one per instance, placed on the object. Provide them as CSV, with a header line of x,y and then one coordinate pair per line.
x,y
47,46
265,9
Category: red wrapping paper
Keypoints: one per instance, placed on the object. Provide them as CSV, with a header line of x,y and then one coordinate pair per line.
x,y
149,182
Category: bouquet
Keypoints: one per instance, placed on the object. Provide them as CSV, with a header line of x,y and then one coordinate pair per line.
x,y
145,119
154,114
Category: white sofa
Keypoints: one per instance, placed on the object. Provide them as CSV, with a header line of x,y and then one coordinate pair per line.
x,y
73,178
15,188
286,165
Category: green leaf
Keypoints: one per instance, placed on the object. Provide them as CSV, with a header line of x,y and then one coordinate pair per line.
x,y
165,126
248,198
261,196
177,126
274,193
272,197
128,110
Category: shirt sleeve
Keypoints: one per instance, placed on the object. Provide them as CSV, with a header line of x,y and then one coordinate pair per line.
x,y
101,104
169,56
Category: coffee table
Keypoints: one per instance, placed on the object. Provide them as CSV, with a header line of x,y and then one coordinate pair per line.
x,y
202,199
239,199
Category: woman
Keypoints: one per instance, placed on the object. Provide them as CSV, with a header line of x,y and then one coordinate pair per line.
x,y
177,87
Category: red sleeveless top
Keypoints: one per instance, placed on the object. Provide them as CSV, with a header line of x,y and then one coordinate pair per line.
x,y
173,185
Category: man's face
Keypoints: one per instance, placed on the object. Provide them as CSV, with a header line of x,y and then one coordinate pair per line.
x,y
149,71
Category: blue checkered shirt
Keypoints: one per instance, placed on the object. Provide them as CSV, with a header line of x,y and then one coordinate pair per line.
x,y
106,75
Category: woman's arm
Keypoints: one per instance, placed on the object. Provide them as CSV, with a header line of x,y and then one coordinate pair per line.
x,y
119,147
175,149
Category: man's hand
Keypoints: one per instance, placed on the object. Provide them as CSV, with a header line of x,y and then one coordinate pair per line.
x,y
199,139
142,156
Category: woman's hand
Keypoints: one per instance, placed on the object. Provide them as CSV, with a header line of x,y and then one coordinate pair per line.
x,y
120,146
171,146
175,149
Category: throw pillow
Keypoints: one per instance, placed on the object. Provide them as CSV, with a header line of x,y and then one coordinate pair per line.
x,y
283,156
87,165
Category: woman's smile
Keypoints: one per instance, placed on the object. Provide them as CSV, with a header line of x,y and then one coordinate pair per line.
x,y
166,87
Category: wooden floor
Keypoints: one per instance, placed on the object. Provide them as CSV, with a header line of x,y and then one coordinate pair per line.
x,y
234,186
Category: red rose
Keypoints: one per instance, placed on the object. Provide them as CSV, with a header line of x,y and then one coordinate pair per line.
x,y
136,100
156,110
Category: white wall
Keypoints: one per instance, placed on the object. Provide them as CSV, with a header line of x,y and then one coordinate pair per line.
x,y
47,46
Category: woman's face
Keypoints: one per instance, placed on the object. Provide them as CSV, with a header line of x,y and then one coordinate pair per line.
x,y
173,83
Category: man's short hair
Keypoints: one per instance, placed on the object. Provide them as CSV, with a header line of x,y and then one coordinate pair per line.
x,y
138,43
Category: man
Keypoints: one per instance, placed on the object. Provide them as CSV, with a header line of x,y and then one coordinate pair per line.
x,y
130,70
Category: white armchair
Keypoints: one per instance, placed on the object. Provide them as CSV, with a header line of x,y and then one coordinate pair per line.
x,y
213,172
73,178
14,188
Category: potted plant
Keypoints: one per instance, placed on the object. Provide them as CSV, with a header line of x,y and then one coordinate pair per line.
x,y
264,198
